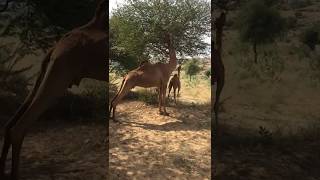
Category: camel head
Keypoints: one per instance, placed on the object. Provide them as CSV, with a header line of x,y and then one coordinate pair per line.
x,y
168,38
101,13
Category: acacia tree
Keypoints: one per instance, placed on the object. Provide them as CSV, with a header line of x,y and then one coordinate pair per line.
x,y
139,27
259,23
37,24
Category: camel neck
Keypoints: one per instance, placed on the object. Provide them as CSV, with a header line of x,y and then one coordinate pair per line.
x,y
172,56
100,18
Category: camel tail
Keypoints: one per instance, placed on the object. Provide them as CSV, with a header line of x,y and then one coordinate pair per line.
x,y
28,100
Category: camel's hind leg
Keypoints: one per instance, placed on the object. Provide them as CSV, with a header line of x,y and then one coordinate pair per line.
x,y
53,86
111,108
123,91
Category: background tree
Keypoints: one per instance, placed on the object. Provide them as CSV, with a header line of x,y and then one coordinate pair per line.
x,y
138,28
192,68
259,23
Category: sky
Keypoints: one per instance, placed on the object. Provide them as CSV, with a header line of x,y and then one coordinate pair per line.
x,y
114,3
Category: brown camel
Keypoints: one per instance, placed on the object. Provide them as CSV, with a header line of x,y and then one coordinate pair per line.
x,y
81,53
218,66
175,84
148,75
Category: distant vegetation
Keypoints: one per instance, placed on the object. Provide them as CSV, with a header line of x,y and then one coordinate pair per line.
x,y
192,68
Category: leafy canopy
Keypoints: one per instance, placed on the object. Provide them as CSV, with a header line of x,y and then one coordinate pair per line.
x,y
258,23
138,27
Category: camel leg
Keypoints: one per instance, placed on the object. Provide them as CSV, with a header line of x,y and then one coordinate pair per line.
x,y
160,99
170,87
220,84
56,82
164,100
123,91
111,108
174,94
8,126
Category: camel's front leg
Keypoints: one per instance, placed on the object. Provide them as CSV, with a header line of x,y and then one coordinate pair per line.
x,y
160,99
175,94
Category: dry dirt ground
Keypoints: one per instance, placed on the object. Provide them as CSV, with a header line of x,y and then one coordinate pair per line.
x,y
146,145
62,150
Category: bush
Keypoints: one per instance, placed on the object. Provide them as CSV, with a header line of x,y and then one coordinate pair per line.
x,y
148,96
310,36
88,104
192,67
207,73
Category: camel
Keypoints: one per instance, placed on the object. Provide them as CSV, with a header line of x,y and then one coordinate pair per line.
x,y
218,66
81,53
175,84
148,75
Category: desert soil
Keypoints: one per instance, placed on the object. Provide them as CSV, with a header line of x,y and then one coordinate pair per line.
x,y
146,145
62,150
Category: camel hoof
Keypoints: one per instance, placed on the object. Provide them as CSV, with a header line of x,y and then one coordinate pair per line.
x,y
166,114
161,113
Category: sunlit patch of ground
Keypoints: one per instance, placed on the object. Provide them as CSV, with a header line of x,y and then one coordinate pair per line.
x,y
147,145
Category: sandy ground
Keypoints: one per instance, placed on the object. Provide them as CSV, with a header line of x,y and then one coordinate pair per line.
x,y
64,150
146,145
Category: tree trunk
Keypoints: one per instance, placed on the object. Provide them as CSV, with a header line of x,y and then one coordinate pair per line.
x,y
255,53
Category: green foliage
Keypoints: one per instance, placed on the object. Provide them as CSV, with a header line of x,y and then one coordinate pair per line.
x,y
138,28
148,96
192,68
39,23
90,103
207,73
259,24
311,36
